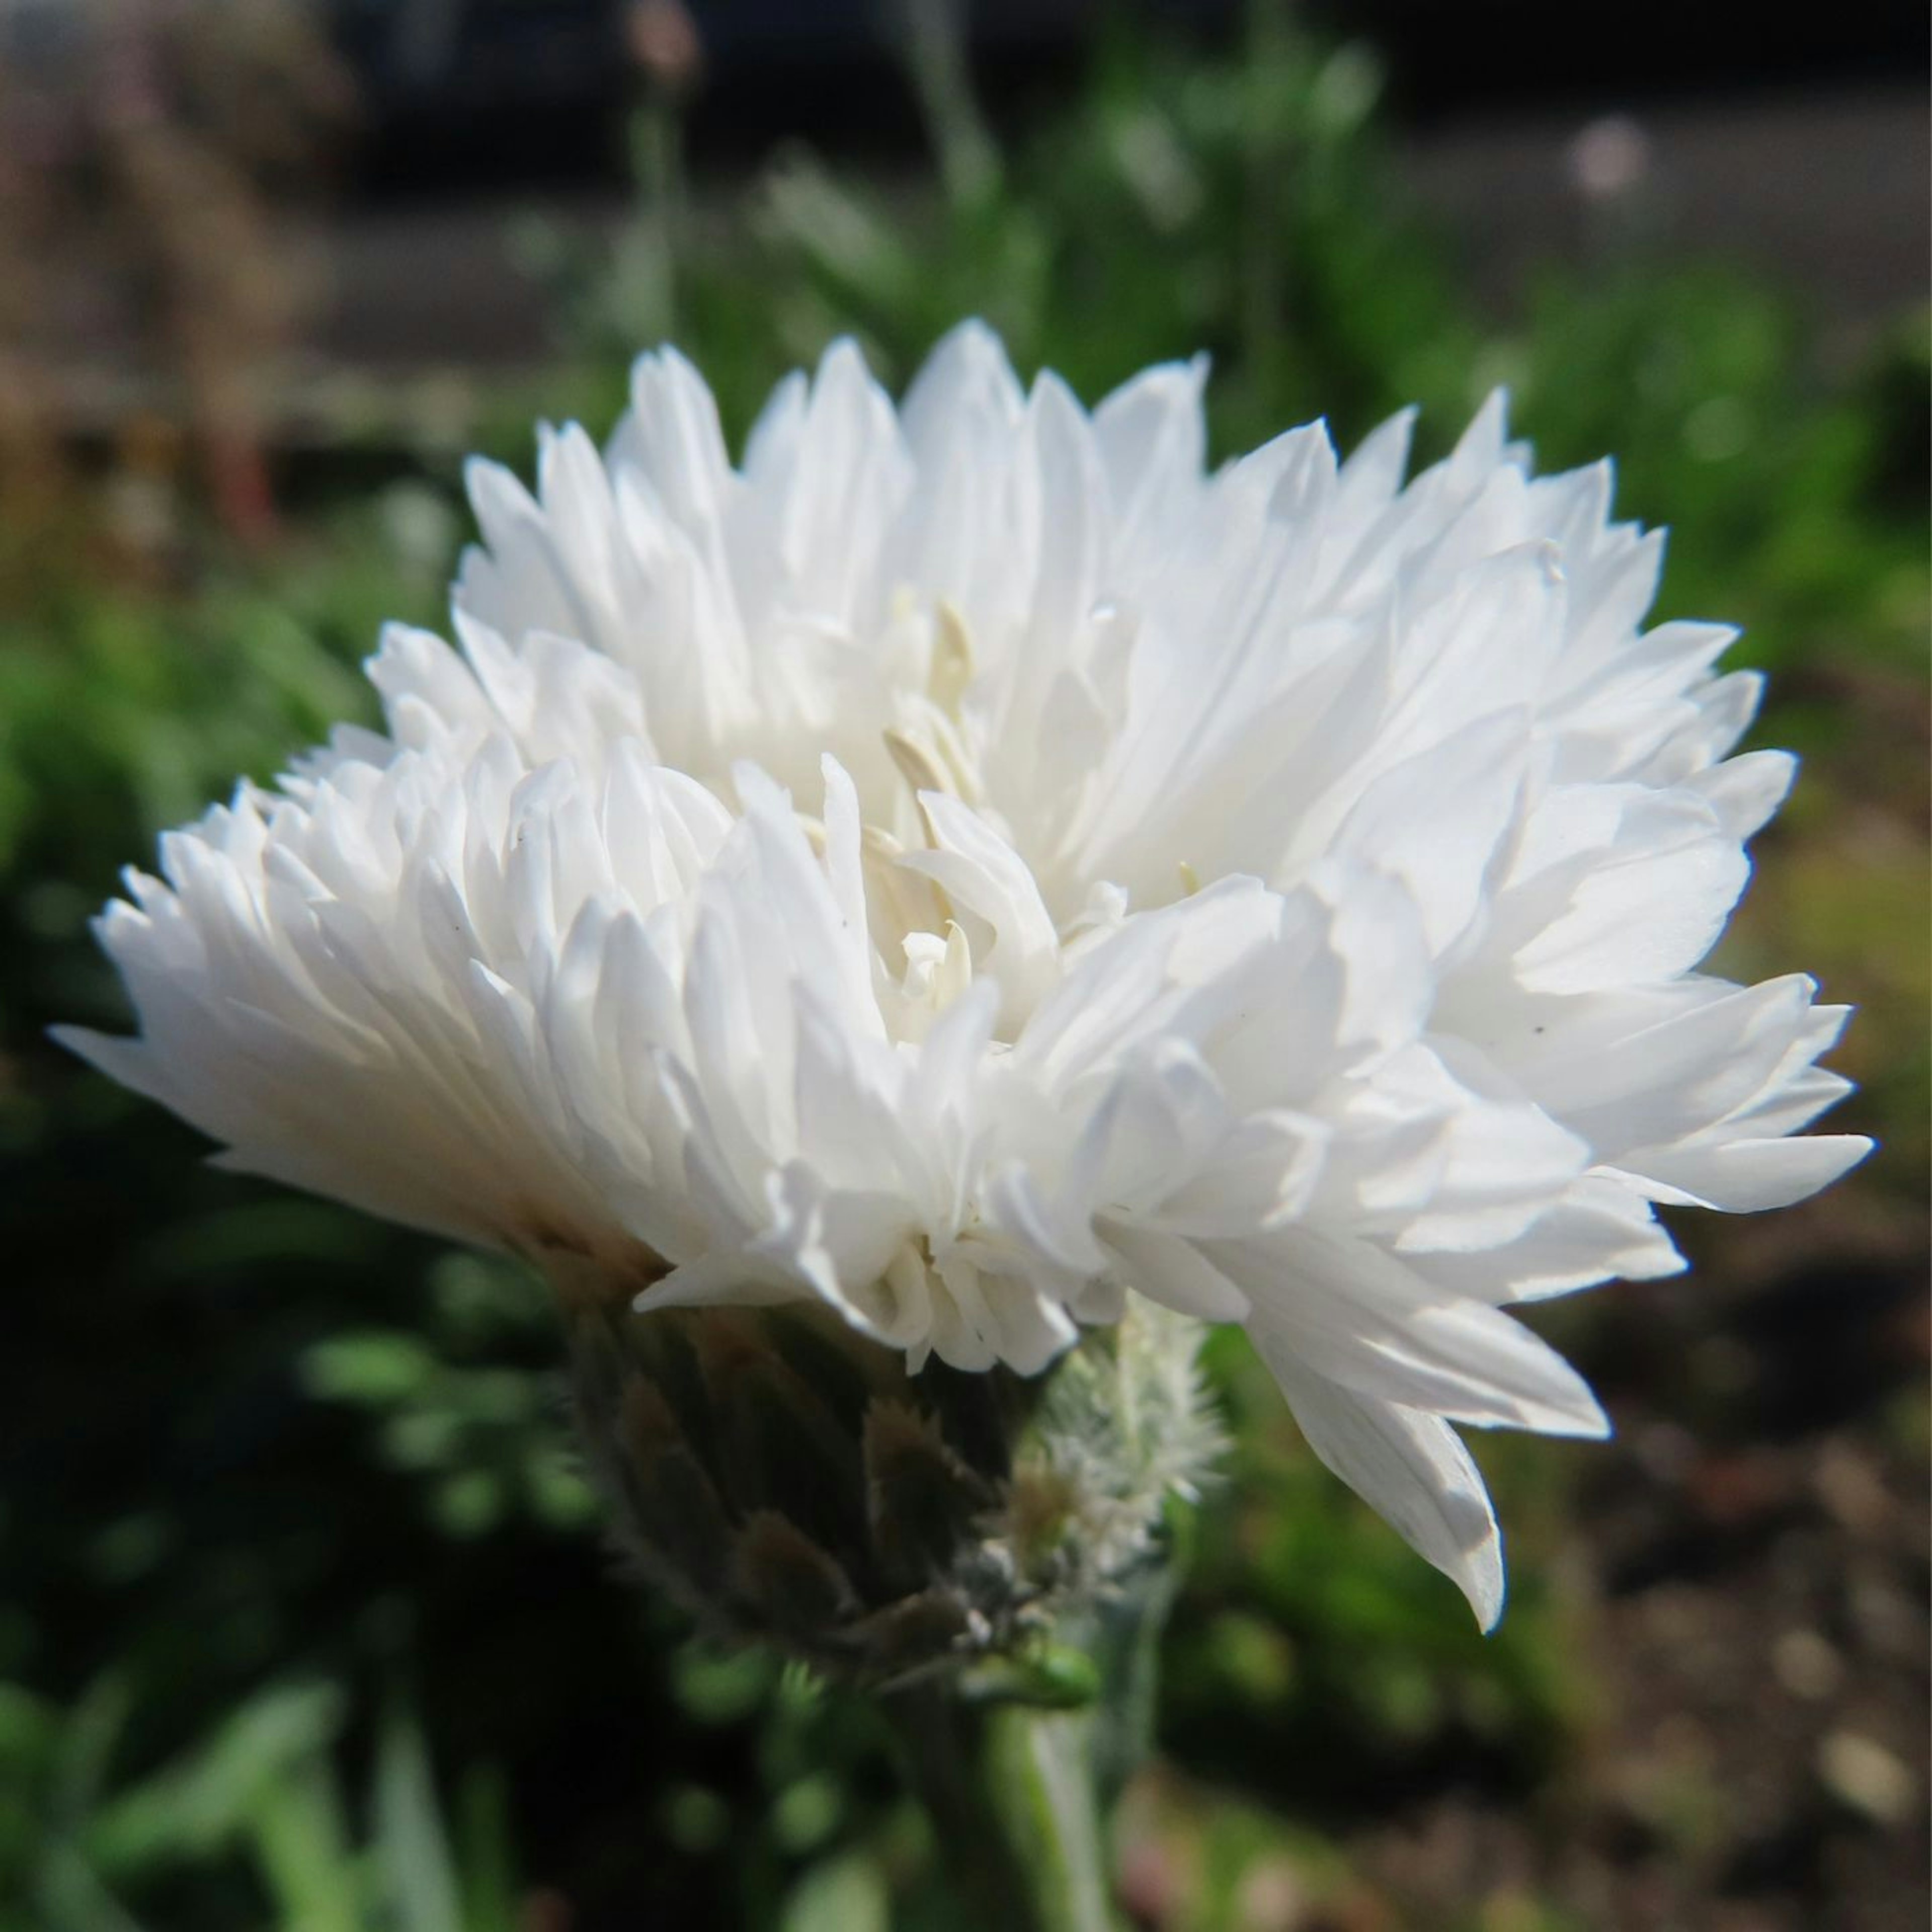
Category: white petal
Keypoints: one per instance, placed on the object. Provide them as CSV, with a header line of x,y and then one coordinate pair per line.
x,y
1411,1469
1346,1310
1746,1176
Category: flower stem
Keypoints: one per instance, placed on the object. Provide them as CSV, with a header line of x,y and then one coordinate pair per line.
x,y
1010,1788
1039,1769
1019,1767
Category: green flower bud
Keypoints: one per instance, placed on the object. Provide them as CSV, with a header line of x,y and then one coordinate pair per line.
x,y
786,1479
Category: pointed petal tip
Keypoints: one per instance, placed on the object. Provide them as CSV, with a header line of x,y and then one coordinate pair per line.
x,y
87,1043
1855,1148
665,355
1489,1606
1581,1419
843,358
976,333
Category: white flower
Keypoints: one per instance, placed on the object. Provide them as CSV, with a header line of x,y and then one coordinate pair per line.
x,y
972,863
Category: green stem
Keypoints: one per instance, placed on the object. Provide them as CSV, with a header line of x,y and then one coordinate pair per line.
x,y
1010,1788
1019,1764
1040,1777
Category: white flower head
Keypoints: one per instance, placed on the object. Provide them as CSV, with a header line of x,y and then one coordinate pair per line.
x,y
969,864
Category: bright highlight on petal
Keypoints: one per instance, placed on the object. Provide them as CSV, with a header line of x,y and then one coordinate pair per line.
x,y
972,862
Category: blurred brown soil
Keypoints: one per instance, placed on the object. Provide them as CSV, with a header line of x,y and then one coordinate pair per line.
x,y
1752,1554
1758,1648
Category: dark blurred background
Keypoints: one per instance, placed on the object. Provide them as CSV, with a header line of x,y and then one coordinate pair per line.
x,y
304,1622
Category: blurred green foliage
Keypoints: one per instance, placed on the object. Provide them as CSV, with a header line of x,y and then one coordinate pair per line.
x,y
306,1624
262,1789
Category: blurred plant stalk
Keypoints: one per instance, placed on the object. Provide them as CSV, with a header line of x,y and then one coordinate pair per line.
x,y
991,1555
668,58
160,145
936,50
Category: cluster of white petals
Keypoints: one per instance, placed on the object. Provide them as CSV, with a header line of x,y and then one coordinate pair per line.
x,y
971,862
